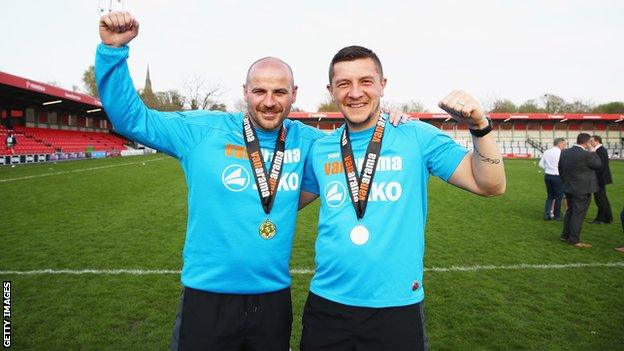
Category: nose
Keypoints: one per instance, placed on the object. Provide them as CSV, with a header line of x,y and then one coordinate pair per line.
x,y
268,101
355,92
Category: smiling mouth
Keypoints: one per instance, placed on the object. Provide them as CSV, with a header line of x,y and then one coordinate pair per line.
x,y
358,105
270,114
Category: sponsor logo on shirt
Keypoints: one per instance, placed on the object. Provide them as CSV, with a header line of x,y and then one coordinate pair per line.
x,y
240,152
235,177
385,164
335,194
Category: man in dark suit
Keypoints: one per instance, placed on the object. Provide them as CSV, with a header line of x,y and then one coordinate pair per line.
x,y
604,177
621,248
577,168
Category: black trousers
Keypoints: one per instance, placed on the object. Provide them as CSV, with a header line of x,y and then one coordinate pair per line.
x,y
233,322
604,207
330,326
578,204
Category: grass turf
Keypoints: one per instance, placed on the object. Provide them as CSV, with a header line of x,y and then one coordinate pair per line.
x,y
131,213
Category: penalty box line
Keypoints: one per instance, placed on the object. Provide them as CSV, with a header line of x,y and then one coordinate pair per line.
x,y
475,268
80,170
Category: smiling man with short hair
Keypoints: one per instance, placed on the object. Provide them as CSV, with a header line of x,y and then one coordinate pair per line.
x,y
241,212
367,289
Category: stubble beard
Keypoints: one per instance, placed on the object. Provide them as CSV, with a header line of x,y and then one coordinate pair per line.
x,y
361,125
259,123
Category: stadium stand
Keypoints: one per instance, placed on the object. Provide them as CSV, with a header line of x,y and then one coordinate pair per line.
x,y
38,140
518,135
52,124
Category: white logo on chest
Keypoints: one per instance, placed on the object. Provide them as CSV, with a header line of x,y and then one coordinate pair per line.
x,y
235,177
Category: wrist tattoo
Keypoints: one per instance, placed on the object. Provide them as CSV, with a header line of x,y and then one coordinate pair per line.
x,y
493,161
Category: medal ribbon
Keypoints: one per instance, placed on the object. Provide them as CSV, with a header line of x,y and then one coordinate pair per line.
x,y
359,187
266,185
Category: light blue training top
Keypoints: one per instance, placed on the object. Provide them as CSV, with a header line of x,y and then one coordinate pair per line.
x,y
383,271
223,251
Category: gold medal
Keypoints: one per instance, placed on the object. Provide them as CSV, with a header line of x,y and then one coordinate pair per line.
x,y
267,229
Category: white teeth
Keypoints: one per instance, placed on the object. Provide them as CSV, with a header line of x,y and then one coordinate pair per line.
x,y
356,105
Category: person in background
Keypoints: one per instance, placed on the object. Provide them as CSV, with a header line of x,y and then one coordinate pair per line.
x,y
603,174
577,168
554,187
621,248
11,141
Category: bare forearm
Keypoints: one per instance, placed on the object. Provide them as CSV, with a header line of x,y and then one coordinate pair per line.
x,y
482,172
487,166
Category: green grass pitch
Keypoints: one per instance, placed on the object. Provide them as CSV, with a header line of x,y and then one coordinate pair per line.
x,y
130,213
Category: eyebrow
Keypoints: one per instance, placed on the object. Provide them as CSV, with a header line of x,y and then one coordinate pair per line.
x,y
280,90
348,80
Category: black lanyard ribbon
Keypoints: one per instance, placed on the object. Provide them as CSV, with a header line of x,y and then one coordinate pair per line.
x,y
359,187
267,186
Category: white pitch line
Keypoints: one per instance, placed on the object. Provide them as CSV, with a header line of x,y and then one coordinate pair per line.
x,y
310,271
523,266
78,170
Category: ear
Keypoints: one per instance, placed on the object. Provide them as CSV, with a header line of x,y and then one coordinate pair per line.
x,y
294,94
383,85
330,90
245,92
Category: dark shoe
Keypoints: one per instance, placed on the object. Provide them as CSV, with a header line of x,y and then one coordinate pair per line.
x,y
565,240
595,222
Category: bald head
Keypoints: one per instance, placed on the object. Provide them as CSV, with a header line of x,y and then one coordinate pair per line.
x,y
273,64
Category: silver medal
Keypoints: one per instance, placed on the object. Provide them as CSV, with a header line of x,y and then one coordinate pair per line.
x,y
359,235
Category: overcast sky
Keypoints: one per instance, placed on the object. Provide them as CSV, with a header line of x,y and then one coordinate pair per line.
x,y
493,49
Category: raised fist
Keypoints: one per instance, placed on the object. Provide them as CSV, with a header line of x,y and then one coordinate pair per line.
x,y
118,28
464,109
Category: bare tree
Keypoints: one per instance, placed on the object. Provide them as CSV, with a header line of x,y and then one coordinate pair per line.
x,y
531,106
553,103
198,95
240,105
579,106
505,105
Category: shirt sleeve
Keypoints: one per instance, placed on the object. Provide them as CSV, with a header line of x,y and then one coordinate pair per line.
x,y
309,181
441,154
168,132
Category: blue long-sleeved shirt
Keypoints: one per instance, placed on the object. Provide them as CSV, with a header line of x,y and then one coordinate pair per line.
x,y
223,251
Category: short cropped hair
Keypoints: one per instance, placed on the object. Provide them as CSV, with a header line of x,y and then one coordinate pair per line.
x,y
597,138
352,53
582,138
557,141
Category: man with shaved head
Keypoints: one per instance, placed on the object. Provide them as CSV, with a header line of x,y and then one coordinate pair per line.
x,y
243,172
